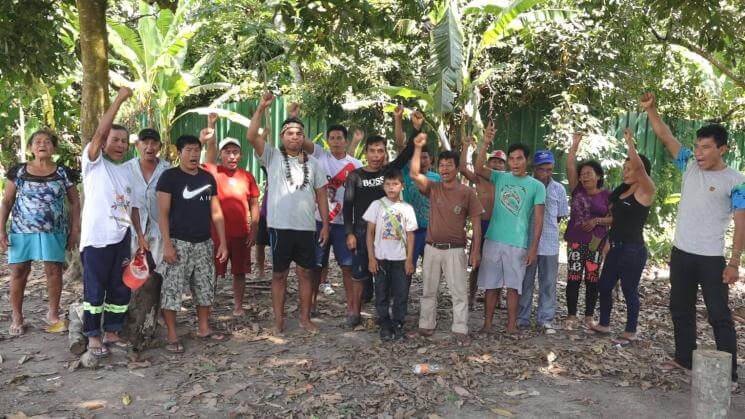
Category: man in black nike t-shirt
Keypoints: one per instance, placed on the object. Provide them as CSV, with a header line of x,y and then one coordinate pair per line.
x,y
188,205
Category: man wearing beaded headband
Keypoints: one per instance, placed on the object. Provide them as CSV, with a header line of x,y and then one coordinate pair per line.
x,y
337,164
296,184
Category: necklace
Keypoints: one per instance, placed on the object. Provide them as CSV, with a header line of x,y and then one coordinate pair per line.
x,y
288,173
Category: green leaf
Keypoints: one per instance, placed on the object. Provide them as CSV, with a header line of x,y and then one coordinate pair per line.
x,y
672,199
222,113
129,37
164,21
485,6
407,93
447,37
497,30
444,91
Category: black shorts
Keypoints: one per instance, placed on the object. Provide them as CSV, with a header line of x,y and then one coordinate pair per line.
x,y
292,246
262,238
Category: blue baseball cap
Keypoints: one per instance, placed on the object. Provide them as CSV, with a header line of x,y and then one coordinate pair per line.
x,y
543,157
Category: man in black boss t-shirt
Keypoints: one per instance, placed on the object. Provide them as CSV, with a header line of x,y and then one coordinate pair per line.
x,y
188,205
363,186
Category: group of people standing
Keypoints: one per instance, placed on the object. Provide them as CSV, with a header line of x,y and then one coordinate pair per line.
x,y
380,217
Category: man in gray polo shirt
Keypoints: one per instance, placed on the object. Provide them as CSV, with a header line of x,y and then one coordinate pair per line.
x,y
712,192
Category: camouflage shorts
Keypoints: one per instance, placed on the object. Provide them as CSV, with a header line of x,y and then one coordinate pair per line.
x,y
194,267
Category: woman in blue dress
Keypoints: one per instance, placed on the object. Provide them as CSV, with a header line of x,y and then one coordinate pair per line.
x,y
40,228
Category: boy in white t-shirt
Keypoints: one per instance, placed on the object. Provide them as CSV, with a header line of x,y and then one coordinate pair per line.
x,y
390,246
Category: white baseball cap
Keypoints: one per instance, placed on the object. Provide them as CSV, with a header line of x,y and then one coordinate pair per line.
x,y
229,140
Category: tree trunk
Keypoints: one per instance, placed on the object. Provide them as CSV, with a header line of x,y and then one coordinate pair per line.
x,y
95,97
94,55
142,316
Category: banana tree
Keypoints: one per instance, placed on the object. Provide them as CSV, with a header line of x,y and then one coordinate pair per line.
x,y
154,55
452,98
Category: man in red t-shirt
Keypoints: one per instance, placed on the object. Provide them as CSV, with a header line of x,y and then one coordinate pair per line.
x,y
238,194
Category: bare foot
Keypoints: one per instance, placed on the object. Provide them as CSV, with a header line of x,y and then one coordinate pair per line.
x,y
309,326
487,330
239,312
279,326
462,339
111,337
671,365
52,317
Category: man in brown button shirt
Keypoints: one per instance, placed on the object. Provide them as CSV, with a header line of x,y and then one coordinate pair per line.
x,y
451,203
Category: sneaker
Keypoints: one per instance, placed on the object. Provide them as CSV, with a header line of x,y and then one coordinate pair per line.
x,y
398,332
386,332
548,329
327,289
353,321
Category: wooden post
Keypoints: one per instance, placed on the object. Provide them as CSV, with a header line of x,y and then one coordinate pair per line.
x,y
710,384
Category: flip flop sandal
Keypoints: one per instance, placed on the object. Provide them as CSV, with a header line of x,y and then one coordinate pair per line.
x,y
175,347
624,342
217,337
57,327
15,331
118,344
593,331
99,351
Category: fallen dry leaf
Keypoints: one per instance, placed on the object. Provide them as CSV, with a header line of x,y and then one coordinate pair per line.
x,y
126,399
501,412
461,391
93,404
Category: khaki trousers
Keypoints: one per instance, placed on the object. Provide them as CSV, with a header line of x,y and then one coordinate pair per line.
x,y
452,264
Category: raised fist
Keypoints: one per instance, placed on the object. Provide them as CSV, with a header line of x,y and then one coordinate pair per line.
x,y
293,110
212,119
266,100
124,93
420,140
648,101
398,112
206,134
358,135
417,119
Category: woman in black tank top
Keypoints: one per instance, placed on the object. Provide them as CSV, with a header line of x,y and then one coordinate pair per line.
x,y
630,205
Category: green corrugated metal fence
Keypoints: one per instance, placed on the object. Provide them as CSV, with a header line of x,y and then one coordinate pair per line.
x,y
526,126
192,123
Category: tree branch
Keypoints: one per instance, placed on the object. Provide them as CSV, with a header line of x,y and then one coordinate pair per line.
x,y
668,39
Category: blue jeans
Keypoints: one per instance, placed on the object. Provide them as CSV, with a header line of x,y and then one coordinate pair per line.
x,y
547,268
625,261
420,240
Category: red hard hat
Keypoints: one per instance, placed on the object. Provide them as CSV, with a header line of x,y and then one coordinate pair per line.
x,y
136,271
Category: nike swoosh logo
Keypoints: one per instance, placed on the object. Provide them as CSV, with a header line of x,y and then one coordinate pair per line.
x,y
191,194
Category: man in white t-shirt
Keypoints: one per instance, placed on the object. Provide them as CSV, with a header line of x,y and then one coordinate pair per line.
x,y
105,236
297,185
337,164
390,248
711,194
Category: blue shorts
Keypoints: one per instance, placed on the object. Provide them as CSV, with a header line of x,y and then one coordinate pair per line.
x,y
44,247
360,269
338,239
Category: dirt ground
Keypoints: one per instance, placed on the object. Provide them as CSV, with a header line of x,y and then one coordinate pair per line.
x,y
351,373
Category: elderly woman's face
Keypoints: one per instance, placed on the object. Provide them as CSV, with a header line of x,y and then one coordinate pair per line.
x,y
42,146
